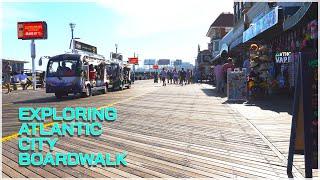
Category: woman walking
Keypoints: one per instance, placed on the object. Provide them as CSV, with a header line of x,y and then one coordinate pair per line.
x,y
163,75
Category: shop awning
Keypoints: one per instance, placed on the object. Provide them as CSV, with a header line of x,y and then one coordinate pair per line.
x,y
222,54
296,18
266,22
236,42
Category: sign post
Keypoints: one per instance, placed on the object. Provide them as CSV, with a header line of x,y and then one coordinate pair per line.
x,y
33,56
32,31
304,128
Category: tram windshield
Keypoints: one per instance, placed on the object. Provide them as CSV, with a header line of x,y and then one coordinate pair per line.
x,y
63,67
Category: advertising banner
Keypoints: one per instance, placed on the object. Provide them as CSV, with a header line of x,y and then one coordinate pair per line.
x,y
134,60
84,47
32,30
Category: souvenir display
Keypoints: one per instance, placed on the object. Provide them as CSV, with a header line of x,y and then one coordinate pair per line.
x,y
237,85
260,75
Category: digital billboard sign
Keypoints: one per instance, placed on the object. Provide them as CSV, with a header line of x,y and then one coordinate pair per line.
x,y
32,30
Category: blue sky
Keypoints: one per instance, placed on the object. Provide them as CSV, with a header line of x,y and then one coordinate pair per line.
x,y
151,29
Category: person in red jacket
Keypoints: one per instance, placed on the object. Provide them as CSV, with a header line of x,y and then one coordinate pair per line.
x,y
92,73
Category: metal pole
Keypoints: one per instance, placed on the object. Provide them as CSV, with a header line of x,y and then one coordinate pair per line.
x,y
71,33
33,56
116,48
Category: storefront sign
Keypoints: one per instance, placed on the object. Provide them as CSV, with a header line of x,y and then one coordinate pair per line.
x,y
266,22
84,47
32,30
117,56
134,60
283,57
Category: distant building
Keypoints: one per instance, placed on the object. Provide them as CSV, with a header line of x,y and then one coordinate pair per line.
x,y
17,65
202,64
218,29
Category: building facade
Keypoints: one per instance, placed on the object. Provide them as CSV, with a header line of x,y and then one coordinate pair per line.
x,y
271,35
218,29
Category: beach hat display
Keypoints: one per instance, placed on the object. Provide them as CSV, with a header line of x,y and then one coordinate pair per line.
x,y
254,47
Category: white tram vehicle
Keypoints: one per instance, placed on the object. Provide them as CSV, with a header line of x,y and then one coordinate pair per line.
x,y
77,73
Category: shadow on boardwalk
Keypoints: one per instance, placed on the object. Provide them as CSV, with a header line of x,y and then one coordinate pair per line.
x,y
276,103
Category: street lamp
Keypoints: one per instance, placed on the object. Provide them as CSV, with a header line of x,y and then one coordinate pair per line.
x,y
116,48
72,26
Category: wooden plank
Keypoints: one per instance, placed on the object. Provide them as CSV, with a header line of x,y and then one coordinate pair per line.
x,y
13,173
62,171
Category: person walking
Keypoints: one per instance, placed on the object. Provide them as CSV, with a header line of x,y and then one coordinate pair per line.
x,y
163,75
182,76
225,67
188,76
23,80
170,76
155,77
175,76
7,76
218,72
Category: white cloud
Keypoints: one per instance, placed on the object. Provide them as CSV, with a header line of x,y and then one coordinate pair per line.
x,y
150,19
146,17
9,16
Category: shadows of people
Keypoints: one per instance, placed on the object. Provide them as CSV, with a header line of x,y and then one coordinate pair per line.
x,y
50,99
276,103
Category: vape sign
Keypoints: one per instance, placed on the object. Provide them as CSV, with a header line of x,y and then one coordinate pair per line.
x,y
32,30
283,57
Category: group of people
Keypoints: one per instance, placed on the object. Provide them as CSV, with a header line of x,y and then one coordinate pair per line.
x,y
18,78
181,77
220,72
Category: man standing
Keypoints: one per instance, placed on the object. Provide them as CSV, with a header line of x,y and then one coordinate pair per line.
x,y
7,76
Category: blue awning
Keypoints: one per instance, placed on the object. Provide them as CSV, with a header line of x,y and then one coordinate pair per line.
x,y
266,22
236,42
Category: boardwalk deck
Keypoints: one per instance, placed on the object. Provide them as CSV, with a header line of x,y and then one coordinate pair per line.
x,y
170,131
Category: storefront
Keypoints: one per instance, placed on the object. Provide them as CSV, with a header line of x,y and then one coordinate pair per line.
x,y
299,32
275,44
261,75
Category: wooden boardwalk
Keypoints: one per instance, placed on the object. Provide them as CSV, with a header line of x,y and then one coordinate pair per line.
x,y
171,131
